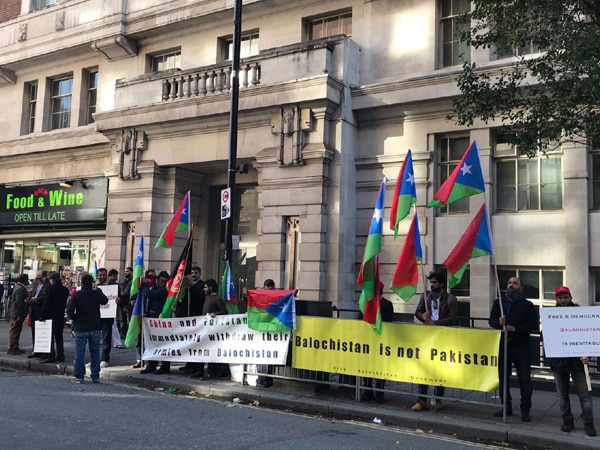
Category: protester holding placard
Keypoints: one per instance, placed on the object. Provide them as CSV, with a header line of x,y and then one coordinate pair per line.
x,y
565,368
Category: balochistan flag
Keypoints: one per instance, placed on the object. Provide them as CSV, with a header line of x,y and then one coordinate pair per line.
x,y
135,323
179,222
138,269
465,180
271,310
95,270
405,193
476,241
227,291
179,279
368,276
406,276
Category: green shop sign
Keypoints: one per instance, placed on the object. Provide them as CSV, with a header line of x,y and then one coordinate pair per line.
x,y
85,201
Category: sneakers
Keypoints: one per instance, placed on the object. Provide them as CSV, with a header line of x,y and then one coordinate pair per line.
x,y
567,425
589,429
77,381
95,380
137,365
419,406
438,405
104,364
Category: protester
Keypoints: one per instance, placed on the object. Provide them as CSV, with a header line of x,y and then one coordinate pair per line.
x,y
17,313
520,319
145,284
565,368
191,306
116,340
157,296
84,309
440,309
214,306
36,301
386,309
124,310
54,309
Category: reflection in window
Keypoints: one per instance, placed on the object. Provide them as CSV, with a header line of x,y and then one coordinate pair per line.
x,y
166,61
31,94
451,28
62,90
248,46
538,285
40,4
332,25
450,151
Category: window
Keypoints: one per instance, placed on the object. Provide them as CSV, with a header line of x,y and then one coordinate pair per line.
x,y
452,48
450,151
40,4
596,178
538,285
92,94
463,288
31,94
60,103
526,184
166,61
331,25
596,275
248,46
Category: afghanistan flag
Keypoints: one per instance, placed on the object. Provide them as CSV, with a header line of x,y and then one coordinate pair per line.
x,y
177,285
227,291
368,276
465,180
179,222
271,310
476,241
405,194
406,276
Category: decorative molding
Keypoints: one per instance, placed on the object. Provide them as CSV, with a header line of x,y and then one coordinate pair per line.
x,y
22,36
116,47
129,143
7,77
290,125
59,21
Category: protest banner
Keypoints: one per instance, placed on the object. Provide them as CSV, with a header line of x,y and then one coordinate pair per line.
x,y
463,358
223,339
571,332
109,311
43,336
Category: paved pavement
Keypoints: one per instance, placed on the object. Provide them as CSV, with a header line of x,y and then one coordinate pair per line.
x,y
462,419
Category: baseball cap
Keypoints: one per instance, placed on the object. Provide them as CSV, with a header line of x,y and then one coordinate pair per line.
x,y
562,290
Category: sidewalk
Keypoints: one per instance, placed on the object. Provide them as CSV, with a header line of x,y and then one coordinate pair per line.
x,y
464,420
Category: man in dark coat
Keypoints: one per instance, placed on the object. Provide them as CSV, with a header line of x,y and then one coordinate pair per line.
x,y
54,309
36,301
157,296
17,313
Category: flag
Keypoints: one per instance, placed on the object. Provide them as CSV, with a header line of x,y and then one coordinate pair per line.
x,y
476,242
271,310
138,269
227,291
406,276
368,276
179,222
177,285
95,270
405,193
465,180
135,323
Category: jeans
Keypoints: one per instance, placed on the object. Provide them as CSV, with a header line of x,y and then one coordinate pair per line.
x,y
107,325
561,378
83,338
520,357
438,391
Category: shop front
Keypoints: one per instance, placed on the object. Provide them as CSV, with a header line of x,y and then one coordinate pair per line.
x,y
57,227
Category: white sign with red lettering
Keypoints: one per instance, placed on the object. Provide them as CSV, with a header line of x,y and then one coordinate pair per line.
x,y
571,331
109,311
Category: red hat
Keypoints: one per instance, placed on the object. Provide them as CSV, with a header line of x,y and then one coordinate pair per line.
x,y
562,290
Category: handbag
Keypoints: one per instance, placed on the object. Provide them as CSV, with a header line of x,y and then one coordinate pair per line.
x,y
29,320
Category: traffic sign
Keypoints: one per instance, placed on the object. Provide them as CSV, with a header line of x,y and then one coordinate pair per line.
x,y
225,203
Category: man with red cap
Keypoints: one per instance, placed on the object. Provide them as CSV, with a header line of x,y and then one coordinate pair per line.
x,y
565,368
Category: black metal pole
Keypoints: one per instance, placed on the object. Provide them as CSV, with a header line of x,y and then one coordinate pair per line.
x,y
233,124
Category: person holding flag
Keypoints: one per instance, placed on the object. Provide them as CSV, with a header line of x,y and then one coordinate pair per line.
x,y
436,307
214,306
157,297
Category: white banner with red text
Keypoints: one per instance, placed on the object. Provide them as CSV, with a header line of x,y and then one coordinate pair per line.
x,y
571,332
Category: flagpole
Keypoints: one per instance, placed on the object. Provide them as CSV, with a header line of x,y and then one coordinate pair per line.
x,y
423,276
188,285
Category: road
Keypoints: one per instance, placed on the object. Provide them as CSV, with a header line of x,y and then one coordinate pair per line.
x,y
49,412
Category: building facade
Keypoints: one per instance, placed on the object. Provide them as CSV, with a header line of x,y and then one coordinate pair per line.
x,y
128,102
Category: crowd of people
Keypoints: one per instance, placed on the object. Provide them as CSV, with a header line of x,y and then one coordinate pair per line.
x,y
47,299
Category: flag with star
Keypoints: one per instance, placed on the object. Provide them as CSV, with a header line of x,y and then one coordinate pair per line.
x,y
368,277
135,324
179,222
405,194
465,180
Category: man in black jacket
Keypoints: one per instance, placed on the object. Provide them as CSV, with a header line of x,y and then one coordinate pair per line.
x,y
53,309
84,309
520,318
157,296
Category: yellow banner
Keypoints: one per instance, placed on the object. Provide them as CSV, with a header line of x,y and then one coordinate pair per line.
x,y
464,358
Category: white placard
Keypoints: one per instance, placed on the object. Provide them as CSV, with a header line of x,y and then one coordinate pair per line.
x,y
43,336
224,339
109,311
571,331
